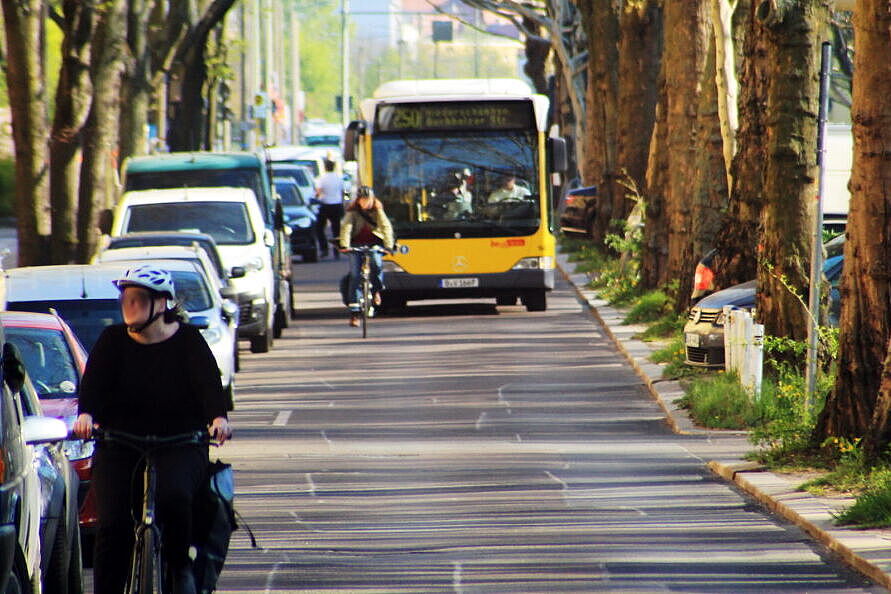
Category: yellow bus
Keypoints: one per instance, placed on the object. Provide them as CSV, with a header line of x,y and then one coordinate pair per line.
x,y
463,168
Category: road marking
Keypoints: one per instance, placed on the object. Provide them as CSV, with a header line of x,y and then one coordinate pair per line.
x,y
479,421
456,578
282,417
325,437
326,384
517,435
562,482
502,399
311,484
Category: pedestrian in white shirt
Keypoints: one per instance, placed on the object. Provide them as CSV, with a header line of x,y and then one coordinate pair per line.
x,y
330,193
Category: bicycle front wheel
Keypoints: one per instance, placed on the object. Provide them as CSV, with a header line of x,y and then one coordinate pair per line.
x,y
146,568
366,305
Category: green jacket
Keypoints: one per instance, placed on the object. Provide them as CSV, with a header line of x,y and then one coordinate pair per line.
x,y
352,222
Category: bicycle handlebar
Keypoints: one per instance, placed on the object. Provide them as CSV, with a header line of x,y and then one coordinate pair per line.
x,y
368,249
146,442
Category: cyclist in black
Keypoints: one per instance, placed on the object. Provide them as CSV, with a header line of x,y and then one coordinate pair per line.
x,y
151,375
365,224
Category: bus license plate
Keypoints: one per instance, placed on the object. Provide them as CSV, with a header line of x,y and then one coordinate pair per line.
x,y
459,283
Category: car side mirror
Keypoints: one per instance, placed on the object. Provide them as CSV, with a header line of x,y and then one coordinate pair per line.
x,y
237,272
201,322
557,151
230,309
228,293
37,430
354,130
269,238
106,218
13,368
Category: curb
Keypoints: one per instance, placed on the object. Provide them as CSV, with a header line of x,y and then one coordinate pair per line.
x,y
867,551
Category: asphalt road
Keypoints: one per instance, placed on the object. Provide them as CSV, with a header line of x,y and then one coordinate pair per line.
x,y
467,448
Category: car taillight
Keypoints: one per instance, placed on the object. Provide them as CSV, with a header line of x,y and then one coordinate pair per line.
x,y
703,278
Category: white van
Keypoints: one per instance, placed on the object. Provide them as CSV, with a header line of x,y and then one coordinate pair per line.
x,y
229,215
839,151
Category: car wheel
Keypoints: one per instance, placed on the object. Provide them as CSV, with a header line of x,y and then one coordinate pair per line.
x,y
236,357
56,579
262,343
279,322
311,256
75,565
535,301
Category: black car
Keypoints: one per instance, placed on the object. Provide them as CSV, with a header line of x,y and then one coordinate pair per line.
x,y
161,238
300,217
578,211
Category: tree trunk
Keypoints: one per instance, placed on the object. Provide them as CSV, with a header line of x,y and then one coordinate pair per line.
x,y
686,27
640,52
725,77
737,244
137,85
655,236
794,30
26,85
711,193
98,178
537,50
73,99
601,24
865,316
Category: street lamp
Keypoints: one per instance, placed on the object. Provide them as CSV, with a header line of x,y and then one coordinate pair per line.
x,y
345,63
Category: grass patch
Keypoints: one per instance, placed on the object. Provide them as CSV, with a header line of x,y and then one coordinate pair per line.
x,y
673,355
648,307
873,507
719,402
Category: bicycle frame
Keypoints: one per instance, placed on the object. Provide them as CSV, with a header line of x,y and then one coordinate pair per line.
x,y
366,299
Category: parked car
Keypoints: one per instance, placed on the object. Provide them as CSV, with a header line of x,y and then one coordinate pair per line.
x,y
187,238
309,157
578,211
300,218
704,330
232,218
301,175
55,360
20,482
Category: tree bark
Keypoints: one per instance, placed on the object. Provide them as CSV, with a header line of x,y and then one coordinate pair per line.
x,y
98,180
862,393
640,52
73,100
725,77
737,244
794,31
137,85
655,235
601,22
537,50
687,28
23,20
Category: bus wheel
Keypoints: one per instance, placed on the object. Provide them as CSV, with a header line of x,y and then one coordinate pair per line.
x,y
535,301
506,300
390,304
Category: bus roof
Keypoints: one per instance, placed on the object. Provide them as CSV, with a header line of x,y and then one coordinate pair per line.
x,y
475,87
191,160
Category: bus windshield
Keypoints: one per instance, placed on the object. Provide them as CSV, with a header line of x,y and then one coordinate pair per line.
x,y
458,184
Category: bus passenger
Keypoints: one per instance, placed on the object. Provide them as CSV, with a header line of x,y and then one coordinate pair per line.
x,y
509,190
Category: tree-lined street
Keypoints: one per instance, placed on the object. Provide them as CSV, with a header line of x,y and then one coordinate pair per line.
x,y
466,448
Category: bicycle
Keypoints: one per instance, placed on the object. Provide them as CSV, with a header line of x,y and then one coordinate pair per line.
x,y
366,296
146,574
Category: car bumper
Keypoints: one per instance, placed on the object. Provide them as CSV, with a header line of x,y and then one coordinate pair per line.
x,y
430,286
704,345
253,311
302,240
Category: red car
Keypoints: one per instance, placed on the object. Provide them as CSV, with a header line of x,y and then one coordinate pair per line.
x,y
55,360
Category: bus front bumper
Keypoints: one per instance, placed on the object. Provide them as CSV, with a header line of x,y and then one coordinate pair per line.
x,y
407,286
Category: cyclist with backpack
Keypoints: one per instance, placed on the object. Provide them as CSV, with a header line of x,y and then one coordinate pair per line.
x,y
151,375
365,224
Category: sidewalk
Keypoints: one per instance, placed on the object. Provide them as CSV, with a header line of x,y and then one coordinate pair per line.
x,y
868,551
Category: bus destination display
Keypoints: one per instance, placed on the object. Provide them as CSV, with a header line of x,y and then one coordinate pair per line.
x,y
455,115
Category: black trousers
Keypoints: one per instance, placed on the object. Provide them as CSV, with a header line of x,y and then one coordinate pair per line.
x,y
328,212
117,482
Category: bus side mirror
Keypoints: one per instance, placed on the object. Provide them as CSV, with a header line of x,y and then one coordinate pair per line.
x,y
354,130
557,152
106,218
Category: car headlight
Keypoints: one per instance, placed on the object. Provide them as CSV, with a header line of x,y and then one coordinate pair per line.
x,y
302,222
390,266
47,476
536,263
212,335
78,449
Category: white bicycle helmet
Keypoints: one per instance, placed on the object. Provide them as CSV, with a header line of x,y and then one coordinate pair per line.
x,y
148,277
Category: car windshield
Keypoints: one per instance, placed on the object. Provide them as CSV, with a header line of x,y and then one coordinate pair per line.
x,y
191,290
47,359
226,222
323,140
462,184
298,174
87,317
310,164
289,192
208,247
244,177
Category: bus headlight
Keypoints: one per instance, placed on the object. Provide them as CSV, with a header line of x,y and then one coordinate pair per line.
x,y
537,263
390,266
